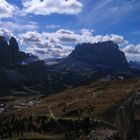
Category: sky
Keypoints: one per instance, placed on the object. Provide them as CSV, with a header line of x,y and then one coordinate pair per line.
x,y
52,28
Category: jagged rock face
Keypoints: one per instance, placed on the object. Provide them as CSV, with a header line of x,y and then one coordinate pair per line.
x,y
102,53
27,58
14,49
13,43
13,73
9,54
5,53
128,118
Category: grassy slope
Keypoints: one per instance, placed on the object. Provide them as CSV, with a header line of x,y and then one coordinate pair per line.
x,y
37,136
98,100
104,97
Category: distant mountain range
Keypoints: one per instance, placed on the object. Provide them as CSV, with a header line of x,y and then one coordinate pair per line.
x,y
87,62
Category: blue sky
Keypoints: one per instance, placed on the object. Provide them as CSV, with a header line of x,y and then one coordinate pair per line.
x,y
51,28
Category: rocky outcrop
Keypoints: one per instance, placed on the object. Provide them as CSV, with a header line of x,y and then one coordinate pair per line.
x,y
102,134
10,53
128,118
14,48
26,58
106,54
5,52
18,68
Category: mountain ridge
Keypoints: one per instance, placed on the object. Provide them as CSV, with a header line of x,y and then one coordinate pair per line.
x,y
87,62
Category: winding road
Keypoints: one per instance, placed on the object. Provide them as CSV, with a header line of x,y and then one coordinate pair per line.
x,y
51,113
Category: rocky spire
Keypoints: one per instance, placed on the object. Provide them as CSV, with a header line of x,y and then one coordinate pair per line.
x,y
13,43
14,49
5,53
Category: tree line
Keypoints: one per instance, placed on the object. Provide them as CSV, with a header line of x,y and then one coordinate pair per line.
x,y
71,128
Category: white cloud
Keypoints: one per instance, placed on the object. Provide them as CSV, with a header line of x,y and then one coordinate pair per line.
x,y
43,45
7,10
87,31
59,43
108,12
56,51
86,36
47,7
6,33
119,40
132,51
19,26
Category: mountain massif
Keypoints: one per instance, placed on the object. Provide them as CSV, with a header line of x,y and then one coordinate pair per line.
x,y
104,54
97,94
87,62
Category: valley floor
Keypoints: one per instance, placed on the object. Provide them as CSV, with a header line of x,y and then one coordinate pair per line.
x,y
97,101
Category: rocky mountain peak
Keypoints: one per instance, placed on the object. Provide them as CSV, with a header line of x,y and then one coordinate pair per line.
x,y
10,53
13,43
101,53
18,68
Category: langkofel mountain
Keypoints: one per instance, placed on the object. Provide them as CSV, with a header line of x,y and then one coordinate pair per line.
x,y
99,54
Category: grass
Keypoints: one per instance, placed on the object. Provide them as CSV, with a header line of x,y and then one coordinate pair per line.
x,y
105,97
38,136
108,97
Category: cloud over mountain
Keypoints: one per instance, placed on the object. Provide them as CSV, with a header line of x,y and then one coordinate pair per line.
x,y
6,33
44,45
62,42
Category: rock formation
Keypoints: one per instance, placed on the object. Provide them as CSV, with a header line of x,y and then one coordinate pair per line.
x,y
18,68
128,118
10,53
99,54
5,52
14,50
